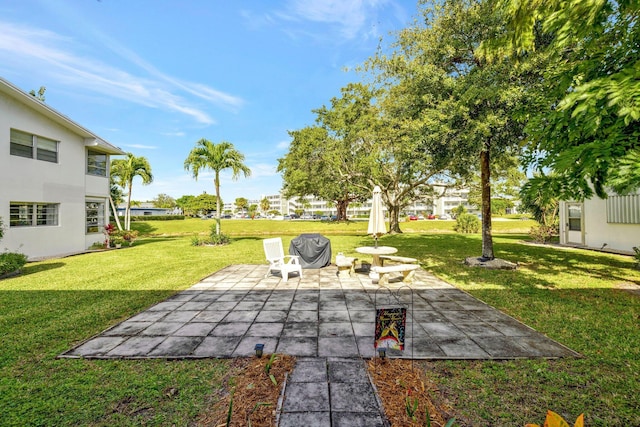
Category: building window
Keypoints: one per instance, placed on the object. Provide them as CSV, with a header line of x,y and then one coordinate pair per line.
x,y
95,216
33,147
22,214
96,163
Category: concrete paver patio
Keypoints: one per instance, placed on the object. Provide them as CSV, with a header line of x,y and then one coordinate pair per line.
x,y
328,323
320,315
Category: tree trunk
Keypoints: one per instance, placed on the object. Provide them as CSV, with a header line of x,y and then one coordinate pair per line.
x,y
115,213
485,182
218,207
341,207
394,220
127,212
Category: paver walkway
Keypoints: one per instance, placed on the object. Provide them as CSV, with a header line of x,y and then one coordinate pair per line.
x,y
327,322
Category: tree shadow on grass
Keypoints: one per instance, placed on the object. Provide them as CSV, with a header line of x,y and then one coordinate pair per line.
x,y
444,254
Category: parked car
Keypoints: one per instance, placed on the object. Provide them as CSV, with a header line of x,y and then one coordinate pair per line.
x,y
431,216
413,218
420,217
445,216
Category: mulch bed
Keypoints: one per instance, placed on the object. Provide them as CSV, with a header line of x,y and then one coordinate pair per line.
x,y
255,396
406,394
400,385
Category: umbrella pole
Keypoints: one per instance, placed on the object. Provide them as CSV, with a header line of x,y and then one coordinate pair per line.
x,y
376,240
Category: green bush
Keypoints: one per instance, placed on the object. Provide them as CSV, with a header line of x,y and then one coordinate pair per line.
x,y
11,261
218,239
467,223
542,233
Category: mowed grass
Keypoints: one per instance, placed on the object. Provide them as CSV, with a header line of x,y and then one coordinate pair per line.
x,y
248,227
570,295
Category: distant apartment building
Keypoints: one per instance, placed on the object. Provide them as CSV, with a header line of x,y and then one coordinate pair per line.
x,y
441,205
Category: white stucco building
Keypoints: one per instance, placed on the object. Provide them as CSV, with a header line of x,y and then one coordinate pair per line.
x,y
611,224
54,177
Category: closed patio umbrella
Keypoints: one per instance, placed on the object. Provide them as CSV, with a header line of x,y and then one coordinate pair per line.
x,y
377,226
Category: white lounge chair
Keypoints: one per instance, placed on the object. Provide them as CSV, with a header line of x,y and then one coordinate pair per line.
x,y
278,260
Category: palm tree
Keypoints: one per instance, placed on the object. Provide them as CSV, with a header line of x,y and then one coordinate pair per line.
x,y
124,170
265,205
216,157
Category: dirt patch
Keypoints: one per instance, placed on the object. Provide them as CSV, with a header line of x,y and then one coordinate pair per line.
x,y
255,396
491,264
407,394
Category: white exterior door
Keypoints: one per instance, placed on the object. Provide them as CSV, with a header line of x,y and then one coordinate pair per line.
x,y
575,224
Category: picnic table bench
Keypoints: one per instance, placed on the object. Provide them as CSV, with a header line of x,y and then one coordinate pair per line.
x,y
346,266
407,270
398,259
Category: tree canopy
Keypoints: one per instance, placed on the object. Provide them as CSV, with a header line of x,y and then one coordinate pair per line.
x,y
588,131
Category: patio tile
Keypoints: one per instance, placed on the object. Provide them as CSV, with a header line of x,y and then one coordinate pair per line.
x,y
334,316
353,397
210,316
97,346
136,347
176,347
230,329
302,316
298,346
149,316
332,329
180,316
217,346
306,419
194,305
307,397
195,329
337,347
461,348
127,327
300,329
241,316
272,316
162,328
265,329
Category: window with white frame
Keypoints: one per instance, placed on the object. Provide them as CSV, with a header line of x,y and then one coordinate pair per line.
x,y
28,214
24,144
95,216
96,163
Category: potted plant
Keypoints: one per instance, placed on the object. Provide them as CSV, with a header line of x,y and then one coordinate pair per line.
x,y
117,240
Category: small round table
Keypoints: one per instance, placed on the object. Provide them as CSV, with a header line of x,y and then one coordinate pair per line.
x,y
376,252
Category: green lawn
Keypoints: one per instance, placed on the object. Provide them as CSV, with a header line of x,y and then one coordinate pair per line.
x,y
569,295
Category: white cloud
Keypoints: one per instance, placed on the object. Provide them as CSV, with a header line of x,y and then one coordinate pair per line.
x,y
352,17
42,48
140,146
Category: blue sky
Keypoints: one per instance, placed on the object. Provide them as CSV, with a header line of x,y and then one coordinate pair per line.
x,y
155,76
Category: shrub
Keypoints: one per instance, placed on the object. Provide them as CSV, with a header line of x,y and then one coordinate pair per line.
x,y
11,261
636,249
218,239
542,233
467,223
